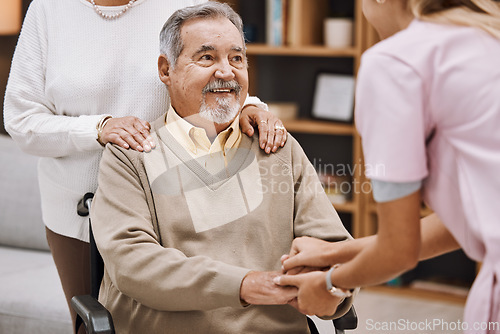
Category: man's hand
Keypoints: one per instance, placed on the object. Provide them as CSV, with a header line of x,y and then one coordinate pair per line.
x,y
312,298
128,132
272,133
258,288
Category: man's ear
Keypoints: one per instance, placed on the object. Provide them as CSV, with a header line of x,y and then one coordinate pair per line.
x,y
164,69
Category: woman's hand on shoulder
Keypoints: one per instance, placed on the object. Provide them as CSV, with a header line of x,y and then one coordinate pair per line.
x,y
128,132
272,133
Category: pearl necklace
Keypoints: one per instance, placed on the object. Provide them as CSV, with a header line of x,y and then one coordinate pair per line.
x,y
112,16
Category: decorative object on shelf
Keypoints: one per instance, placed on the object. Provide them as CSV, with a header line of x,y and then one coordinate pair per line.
x,y
339,25
304,26
10,17
284,110
334,97
295,22
338,32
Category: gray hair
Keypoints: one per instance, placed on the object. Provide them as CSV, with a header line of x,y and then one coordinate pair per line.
x,y
171,44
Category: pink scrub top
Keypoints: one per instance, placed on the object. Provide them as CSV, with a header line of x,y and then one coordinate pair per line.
x,y
428,108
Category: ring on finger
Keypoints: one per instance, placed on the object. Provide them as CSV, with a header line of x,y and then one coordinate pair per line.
x,y
263,121
279,127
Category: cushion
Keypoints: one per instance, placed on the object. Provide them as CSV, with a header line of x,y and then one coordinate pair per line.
x,y
20,209
32,299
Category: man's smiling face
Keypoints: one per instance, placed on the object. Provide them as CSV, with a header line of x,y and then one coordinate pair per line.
x,y
210,78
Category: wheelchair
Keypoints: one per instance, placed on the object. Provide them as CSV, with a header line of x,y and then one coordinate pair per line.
x,y
97,319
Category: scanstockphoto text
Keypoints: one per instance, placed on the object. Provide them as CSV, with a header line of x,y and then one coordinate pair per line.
x,y
437,325
341,169
345,178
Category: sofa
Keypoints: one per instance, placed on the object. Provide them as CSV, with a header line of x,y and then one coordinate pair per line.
x,y
31,296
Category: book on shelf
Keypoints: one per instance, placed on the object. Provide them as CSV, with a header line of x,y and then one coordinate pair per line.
x,y
295,22
275,21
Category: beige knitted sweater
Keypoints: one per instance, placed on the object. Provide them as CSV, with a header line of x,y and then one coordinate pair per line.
x,y
177,241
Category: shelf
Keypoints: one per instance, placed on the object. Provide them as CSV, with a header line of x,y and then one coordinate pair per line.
x,y
306,50
347,207
319,127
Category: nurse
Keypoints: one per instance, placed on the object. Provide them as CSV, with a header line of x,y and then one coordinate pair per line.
x,y
428,110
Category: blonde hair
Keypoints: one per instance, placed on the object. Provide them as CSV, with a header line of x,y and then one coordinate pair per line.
x,y
483,14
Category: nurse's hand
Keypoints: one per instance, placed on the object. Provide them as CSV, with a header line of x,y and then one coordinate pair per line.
x,y
317,253
128,132
308,252
312,298
272,133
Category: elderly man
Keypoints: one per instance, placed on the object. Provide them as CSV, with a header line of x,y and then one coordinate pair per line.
x,y
192,232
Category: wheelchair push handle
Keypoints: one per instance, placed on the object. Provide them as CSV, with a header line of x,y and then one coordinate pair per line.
x,y
83,206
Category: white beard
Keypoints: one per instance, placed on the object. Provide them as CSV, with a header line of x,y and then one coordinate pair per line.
x,y
224,112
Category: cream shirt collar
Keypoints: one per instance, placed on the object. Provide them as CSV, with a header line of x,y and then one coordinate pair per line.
x,y
195,139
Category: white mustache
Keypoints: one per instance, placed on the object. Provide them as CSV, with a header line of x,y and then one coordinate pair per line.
x,y
222,84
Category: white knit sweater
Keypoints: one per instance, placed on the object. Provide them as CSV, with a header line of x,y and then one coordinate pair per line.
x,y
69,69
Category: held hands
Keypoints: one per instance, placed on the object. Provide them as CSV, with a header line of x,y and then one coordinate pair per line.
x,y
302,287
305,268
128,132
313,298
272,133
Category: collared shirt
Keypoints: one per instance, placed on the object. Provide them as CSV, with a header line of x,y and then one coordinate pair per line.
x,y
214,156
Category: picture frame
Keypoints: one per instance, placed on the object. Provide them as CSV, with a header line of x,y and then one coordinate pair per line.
x,y
334,97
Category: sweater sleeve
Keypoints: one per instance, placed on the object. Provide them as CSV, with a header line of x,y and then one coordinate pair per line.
x,y
314,214
123,220
30,117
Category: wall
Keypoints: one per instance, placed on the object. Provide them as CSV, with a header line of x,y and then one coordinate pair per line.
x,y
7,47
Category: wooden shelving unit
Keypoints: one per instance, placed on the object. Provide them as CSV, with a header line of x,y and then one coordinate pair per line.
x,y
319,127
355,205
361,206
305,51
